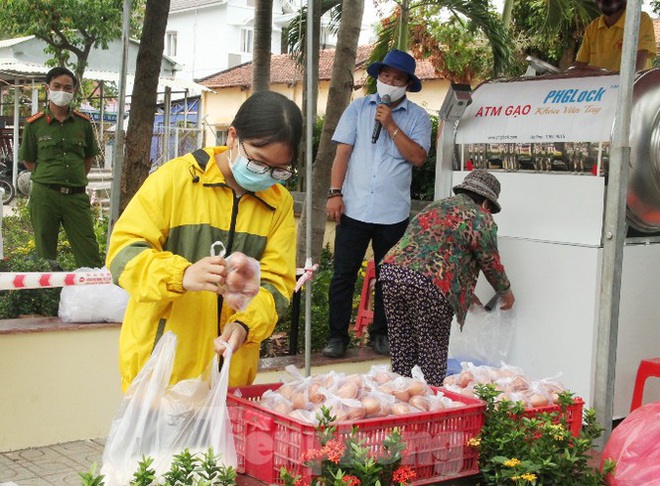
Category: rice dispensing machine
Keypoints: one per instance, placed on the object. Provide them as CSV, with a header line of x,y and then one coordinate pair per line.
x,y
547,140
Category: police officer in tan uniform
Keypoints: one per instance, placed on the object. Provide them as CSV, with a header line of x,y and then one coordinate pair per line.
x,y
59,147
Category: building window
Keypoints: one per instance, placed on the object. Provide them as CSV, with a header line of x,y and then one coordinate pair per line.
x,y
170,44
247,39
221,136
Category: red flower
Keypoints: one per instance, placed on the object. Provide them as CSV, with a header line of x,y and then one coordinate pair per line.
x,y
334,449
351,480
403,474
311,455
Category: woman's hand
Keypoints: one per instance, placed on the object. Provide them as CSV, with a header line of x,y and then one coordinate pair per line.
x,y
507,299
233,335
207,274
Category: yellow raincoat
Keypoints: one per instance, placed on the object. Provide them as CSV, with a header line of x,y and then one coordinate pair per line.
x,y
171,222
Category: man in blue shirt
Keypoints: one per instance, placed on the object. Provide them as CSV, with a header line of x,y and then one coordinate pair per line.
x,y
369,194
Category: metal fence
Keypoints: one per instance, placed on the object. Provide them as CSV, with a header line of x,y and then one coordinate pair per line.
x,y
173,142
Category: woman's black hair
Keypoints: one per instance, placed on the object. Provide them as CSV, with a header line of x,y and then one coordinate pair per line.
x,y
267,117
59,71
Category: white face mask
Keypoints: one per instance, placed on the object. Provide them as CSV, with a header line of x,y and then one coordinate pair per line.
x,y
395,92
60,98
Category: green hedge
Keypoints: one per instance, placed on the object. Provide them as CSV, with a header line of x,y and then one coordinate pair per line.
x,y
20,256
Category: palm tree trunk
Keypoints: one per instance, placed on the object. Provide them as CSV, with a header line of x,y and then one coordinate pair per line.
x,y
263,26
402,34
506,13
568,55
339,96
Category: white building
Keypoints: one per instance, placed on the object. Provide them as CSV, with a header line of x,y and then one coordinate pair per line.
x,y
209,36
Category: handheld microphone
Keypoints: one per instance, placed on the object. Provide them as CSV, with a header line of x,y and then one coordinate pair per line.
x,y
385,100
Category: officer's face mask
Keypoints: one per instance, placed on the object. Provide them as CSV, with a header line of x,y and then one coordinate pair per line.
x,y
60,98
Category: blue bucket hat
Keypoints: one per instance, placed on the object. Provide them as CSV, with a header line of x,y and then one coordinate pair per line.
x,y
403,62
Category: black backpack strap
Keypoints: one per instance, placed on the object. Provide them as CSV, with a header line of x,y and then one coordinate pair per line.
x,y
202,157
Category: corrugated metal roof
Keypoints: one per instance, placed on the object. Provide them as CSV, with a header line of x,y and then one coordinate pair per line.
x,y
10,68
14,41
283,70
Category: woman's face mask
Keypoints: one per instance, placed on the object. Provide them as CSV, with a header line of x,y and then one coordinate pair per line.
x,y
394,92
247,179
60,98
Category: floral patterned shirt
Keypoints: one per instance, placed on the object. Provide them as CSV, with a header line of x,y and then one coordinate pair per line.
x,y
449,242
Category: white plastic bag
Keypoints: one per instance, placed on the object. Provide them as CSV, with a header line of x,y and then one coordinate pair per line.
x,y
485,338
243,280
243,277
93,303
160,421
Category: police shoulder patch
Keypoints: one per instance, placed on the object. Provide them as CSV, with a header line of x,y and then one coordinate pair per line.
x,y
81,115
35,117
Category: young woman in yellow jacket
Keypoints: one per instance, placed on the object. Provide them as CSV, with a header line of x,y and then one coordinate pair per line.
x,y
160,246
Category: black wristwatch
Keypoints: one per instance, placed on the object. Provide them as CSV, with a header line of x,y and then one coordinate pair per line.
x,y
333,191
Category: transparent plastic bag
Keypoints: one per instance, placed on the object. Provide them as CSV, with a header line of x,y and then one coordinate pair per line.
x,y
158,420
485,338
633,445
243,277
93,303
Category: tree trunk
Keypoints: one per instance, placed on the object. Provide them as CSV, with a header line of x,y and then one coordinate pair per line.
x,y
568,55
339,96
263,27
402,34
506,13
137,160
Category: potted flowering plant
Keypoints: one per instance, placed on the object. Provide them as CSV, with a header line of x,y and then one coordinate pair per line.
x,y
518,449
186,469
345,460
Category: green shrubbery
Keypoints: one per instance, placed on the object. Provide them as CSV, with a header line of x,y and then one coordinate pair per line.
x,y
321,285
20,255
518,449
199,469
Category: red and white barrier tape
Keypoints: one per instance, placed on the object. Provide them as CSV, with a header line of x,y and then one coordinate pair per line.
x,y
308,273
40,280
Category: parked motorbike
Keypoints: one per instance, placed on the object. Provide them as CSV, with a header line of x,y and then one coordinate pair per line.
x,y
6,184
7,180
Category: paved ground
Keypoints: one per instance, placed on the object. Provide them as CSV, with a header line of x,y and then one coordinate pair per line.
x,y
51,465
60,465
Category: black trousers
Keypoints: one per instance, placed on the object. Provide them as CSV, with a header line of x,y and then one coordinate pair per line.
x,y
352,239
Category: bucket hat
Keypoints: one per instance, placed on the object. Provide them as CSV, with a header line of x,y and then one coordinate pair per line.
x,y
482,182
403,62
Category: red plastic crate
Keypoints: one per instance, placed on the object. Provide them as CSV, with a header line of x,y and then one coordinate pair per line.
x,y
436,442
573,414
